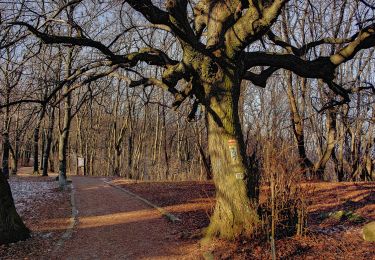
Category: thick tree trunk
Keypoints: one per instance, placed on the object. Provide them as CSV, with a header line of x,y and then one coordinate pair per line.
x,y
12,229
236,191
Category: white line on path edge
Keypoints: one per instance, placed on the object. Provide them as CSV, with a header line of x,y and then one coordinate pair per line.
x,y
165,213
73,221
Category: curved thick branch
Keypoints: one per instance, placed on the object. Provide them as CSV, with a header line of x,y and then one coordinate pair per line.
x,y
77,41
175,19
170,78
308,46
152,13
158,83
151,56
356,39
252,25
320,68
260,79
364,40
178,12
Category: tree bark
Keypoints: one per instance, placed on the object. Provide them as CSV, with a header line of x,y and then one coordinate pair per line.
x,y
165,141
6,140
63,141
236,191
16,154
12,228
368,162
205,159
64,134
320,165
36,151
43,148
339,162
6,151
47,150
36,141
297,125
16,151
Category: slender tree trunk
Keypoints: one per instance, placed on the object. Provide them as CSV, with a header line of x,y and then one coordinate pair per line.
x,y
43,148
64,135
297,125
164,129
36,141
339,163
319,167
52,156
47,151
91,170
16,155
368,162
63,141
80,144
86,172
27,154
12,228
204,159
156,138
6,152
205,162
118,148
6,141
16,151
36,151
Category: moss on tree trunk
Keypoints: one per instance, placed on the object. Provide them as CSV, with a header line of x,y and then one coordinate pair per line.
x,y
235,211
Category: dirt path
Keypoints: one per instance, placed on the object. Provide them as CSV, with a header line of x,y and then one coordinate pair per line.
x,y
114,225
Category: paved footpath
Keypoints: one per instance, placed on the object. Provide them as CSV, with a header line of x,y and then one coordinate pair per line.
x,y
114,225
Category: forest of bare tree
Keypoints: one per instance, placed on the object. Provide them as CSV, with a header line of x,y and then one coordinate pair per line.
x,y
257,98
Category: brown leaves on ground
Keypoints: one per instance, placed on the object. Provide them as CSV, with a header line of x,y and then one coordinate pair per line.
x,y
38,201
326,238
190,201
